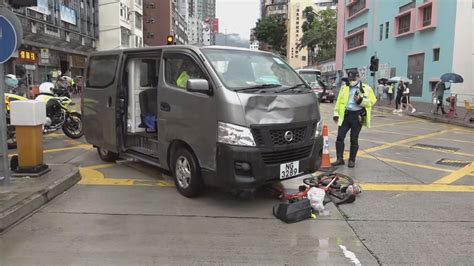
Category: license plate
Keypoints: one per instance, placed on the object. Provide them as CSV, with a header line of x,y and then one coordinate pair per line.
x,y
288,170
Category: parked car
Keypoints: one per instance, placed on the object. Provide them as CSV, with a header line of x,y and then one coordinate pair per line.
x,y
320,88
218,116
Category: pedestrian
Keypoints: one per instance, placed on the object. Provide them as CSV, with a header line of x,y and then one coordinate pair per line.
x,y
352,111
438,93
380,90
398,99
406,98
390,92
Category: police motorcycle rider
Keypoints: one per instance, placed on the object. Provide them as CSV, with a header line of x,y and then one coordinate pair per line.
x,y
352,111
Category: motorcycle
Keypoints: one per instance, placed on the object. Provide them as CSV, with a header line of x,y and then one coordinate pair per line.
x,y
61,115
11,133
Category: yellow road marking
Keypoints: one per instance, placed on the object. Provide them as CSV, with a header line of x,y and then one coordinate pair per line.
x,y
411,135
74,142
100,166
93,177
454,176
403,141
417,187
82,146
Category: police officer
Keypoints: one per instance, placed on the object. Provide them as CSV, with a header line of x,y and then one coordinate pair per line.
x,y
352,111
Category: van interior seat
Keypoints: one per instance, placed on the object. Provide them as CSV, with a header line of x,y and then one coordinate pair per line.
x,y
148,102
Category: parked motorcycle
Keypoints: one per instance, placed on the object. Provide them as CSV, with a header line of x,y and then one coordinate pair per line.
x,y
59,113
11,133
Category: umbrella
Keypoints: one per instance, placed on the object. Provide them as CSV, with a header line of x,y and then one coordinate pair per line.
x,y
400,79
452,77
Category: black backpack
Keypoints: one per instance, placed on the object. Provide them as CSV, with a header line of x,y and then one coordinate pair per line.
x,y
292,212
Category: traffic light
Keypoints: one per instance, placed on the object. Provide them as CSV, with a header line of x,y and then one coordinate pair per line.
x,y
374,63
170,40
22,3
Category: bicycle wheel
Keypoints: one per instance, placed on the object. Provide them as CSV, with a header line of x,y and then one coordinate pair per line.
x,y
337,190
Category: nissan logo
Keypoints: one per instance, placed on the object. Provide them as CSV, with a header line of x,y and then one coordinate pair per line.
x,y
289,136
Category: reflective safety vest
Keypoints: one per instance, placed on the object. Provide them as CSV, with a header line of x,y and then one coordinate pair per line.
x,y
182,80
368,101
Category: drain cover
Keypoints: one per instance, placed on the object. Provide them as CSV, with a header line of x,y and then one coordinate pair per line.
x,y
434,147
455,163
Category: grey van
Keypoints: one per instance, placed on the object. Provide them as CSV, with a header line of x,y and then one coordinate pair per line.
x,y
216,116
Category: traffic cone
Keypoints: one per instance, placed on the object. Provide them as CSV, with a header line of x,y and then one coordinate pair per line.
x,y
326,160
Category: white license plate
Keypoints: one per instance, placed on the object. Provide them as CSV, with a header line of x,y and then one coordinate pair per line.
x,y
288,170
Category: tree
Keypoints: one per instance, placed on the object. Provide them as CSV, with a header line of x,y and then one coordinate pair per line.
x,y
272,30
319,31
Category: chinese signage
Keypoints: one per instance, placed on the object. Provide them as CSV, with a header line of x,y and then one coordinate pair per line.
x,y
328,67
384,71
44,56
68,15
78,61
215,25
27,56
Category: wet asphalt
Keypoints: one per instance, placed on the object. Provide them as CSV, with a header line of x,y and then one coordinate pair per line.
x,y
140,220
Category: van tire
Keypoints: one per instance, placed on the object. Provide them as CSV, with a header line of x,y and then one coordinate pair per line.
x,y
107,156
188,186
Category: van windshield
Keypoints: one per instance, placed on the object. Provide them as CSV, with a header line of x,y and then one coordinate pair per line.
x,y
246,70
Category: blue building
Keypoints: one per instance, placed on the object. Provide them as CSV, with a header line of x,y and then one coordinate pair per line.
x,y
419,39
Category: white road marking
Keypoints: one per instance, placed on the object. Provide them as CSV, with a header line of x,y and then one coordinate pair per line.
x,y
350,255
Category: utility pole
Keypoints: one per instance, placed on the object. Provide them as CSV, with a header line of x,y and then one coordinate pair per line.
x,y
4,169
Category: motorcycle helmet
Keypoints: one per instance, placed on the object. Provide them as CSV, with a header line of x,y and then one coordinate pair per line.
x,y
46,88
11,80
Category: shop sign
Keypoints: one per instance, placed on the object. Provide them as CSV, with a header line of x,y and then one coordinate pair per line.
x,y
328,67
78,61
27,56
44,56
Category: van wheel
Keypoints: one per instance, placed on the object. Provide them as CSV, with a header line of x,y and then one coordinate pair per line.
x,y
107,156
186,173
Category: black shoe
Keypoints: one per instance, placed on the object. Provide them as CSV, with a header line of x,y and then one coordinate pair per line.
x,y
338,162
351,164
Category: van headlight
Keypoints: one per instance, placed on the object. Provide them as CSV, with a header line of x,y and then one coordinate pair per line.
x,y
319,129
234,135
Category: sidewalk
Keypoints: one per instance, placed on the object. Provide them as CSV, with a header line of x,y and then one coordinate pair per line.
x,y
424,110
24,195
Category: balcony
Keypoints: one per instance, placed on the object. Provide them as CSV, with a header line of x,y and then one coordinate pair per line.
x,y
355,8
356,40
427,15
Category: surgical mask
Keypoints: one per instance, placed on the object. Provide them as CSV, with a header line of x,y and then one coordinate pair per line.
x,y
354,83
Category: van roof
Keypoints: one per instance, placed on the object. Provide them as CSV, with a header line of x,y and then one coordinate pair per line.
x,y
172,47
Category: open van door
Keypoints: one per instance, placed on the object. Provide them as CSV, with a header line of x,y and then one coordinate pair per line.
x,y
101,103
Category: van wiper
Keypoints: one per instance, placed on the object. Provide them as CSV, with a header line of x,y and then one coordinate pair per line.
x,y
293,87
259,86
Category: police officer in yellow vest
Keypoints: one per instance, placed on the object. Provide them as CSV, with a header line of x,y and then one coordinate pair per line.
x,y
353,109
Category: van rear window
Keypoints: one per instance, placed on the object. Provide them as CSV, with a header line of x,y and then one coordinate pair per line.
x,y
101,72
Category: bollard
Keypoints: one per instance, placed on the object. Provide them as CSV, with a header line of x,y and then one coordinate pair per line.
x,y
28,118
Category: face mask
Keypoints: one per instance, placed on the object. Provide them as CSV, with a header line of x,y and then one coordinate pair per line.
x,y
354,83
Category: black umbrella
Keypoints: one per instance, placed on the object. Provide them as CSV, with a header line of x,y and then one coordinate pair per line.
x,y
452,77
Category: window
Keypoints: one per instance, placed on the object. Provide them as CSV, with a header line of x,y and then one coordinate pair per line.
x,y
101,71
33,27
175,67
355,40
148,73
124,37
404,24
68,37
355,8
381,32
436,54
387,24
427,16
303,58
138,21
121,10
83,41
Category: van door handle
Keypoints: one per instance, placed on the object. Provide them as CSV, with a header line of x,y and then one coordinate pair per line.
x,y
165,107
109,101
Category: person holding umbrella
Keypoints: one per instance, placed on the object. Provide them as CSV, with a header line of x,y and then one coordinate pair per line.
x,y
438,93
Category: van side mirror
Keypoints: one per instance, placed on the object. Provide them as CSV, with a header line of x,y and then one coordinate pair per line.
x,y
198,85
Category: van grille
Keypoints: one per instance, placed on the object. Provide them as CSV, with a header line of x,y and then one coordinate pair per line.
x,y
257,134
277,157
278,136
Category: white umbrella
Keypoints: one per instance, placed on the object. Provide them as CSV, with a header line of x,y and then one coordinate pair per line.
x,y
400,78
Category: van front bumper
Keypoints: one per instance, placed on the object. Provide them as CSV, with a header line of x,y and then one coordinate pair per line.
x,y
250,167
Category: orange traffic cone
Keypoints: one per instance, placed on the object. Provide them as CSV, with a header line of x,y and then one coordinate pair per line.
x,y
326,160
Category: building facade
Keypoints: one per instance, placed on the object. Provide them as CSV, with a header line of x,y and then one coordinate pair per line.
x,y
419,39
275,7
297,58
57,36
161,19
121,24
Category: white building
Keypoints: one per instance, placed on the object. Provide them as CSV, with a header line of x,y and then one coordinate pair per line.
x,y
120,24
